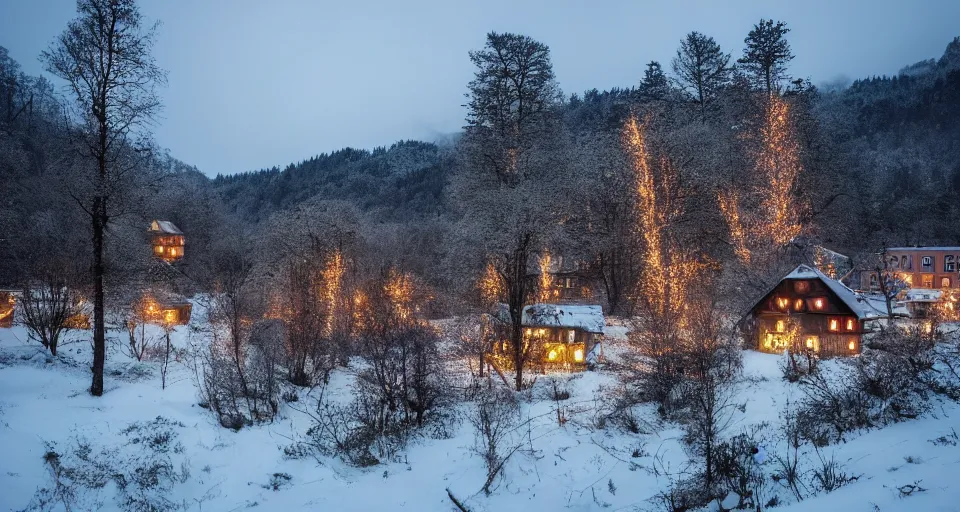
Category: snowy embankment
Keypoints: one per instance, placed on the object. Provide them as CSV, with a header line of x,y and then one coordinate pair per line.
x,y
573,466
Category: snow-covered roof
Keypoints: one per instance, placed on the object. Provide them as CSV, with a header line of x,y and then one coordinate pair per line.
x,y
588,318
922,295
164,226
855,302
926,248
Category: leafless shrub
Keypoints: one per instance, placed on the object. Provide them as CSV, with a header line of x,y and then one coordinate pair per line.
x,y
46,309
738,468
495,418
797,363
145,469
829,475
788,472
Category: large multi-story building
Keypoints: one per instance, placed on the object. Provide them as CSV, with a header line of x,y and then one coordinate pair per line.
x,y
921,267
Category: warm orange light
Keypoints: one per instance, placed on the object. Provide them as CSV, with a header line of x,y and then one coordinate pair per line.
x,y
781,326
552,356
818,303
798,305
850,325
834,324
783,302
852,345
578,355
809,342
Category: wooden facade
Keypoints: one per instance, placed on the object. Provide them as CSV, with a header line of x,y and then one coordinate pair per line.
x,y
809,311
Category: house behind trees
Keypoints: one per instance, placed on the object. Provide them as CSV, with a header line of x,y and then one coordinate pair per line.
x,y
168,240
807,310
563,336
929,268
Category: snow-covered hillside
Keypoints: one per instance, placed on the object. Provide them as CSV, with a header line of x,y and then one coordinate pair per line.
x,y
44,405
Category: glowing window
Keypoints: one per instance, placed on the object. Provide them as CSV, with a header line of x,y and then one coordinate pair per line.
x,y
783,302
819,303
798,305
852,345
578,355
801,286
812,343
834,325
850,324
780,326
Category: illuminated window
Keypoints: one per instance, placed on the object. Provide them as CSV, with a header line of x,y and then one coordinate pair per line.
x,y
834,325
578,355
801,286
926,281
783,302
780,326
552,355
945,282
852,345
819,303
798,305
812,343
850,324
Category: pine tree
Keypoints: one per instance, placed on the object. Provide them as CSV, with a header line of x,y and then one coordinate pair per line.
x,y
766,56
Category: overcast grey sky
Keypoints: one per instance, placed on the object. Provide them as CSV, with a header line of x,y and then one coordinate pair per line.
x,y
256,83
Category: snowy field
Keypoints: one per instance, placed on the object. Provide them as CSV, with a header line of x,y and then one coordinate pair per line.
x,y
575,466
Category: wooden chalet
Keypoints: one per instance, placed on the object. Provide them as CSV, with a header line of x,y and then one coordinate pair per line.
x,y
565,335
808,310
168,240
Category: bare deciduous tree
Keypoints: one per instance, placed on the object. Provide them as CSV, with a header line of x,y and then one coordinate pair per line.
x,y
104,56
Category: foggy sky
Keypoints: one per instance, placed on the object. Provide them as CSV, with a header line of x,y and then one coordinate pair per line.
x,y
254,83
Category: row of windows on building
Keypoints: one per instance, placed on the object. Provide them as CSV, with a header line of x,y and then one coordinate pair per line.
x,y
926,262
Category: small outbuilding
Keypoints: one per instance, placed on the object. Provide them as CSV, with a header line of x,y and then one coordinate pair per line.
x,y
564,335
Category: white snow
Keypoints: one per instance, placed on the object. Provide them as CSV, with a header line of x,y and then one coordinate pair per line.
x,y
575,466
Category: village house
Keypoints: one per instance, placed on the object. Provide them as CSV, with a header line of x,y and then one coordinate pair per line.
x,y
920,267
166,309
808,310
567,336
571,280
168,240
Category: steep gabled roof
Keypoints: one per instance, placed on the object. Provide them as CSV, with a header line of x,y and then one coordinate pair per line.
x,y
165,227
857,304
587,318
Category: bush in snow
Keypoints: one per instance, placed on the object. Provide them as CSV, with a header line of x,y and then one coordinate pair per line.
x,y
494,419
144,469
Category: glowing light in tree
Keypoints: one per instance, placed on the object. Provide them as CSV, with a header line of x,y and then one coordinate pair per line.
x,y
491,286
332,275
775,220
399,289
545,291
668,271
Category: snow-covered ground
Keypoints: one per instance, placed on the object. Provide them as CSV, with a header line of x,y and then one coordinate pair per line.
x,y
574,466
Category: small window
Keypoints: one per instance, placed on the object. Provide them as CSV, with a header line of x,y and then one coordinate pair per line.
x,y
812,343
926,261
894,262
798,305
571,336
781,326
801,286
833,325
949,263
819,303
873,280
926,281
783,303
851,325
945,282
903,262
